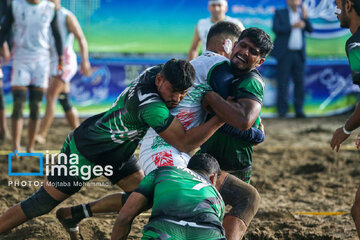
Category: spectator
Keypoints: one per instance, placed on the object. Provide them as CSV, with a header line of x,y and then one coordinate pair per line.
x,y
290,25
217,8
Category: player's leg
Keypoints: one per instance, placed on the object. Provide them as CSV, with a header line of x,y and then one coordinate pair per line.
x,y
36,95
3,127
71,113
19,99
41,202
56,86
355,211
244,200
127,176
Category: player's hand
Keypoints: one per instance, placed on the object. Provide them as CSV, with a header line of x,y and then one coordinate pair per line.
x,y
338,137
357,142
205,103
60,66
261,127
300,24
85,68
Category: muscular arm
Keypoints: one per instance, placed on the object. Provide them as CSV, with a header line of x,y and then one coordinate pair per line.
x,y
74,27
136,204
240,114
188,140
194,49
253,135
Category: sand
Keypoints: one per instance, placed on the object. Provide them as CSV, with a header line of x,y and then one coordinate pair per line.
x,y
294,171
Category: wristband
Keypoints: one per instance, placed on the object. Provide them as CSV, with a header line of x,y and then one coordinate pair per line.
x,y
346,131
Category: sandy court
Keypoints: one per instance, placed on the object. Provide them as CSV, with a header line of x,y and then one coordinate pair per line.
x,y
294,171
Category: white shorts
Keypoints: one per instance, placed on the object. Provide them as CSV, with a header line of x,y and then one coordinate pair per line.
x,y
69,65
155,152
30,73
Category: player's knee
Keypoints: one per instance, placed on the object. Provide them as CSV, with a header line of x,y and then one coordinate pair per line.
x,y
2,100
65,101
19,98
35,101
242,197
125,197
38,204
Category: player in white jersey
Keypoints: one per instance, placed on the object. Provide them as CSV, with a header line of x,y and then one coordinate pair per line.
x,y
218,9
60,85
154,151
31,51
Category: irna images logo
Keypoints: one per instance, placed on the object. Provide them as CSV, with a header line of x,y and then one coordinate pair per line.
x,y
10,158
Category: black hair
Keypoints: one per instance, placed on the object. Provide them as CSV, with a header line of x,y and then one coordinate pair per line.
x,y
356,5
180,73
204,163
259,38
223,28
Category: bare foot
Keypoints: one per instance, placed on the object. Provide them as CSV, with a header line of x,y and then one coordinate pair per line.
x,y
40,139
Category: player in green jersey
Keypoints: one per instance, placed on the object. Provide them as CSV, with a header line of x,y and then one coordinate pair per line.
x,y
348,13
246,91
185,204
104,144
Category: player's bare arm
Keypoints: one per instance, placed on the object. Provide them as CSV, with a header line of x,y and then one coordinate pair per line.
x,y
188,140
136,204
74,27
240,113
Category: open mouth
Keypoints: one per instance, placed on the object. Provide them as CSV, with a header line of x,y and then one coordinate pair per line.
x,y
241,59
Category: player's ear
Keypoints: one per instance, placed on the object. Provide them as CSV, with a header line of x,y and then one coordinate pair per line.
x,y
159,79
260,62
213,178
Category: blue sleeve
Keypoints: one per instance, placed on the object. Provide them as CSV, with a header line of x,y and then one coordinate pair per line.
x,y
220,78
252,135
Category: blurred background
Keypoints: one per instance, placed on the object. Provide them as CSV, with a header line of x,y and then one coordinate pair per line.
x,y
127,36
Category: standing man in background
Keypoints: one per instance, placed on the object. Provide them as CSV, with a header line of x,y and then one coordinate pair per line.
x,y
32,20
59,86
217,8
348,13
290,25
6,54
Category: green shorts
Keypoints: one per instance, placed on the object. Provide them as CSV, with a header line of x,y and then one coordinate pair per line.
x,y
171,230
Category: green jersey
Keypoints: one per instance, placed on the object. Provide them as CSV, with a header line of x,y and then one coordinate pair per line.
x,y
121,128
181,194
232,153
353,53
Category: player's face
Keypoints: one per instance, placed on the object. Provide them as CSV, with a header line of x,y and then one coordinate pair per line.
x,y
294,3
245,56
218,11
170,96
341,14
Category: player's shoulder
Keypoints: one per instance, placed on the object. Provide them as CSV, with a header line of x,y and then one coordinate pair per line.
x,y
208,58
203,21
353,41
253,75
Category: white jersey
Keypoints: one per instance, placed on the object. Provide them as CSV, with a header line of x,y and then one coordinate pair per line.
x,y
31,29
154,151
203,26
67,40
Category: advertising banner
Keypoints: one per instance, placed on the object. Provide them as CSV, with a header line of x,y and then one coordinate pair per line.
x,y
162,27
328,86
